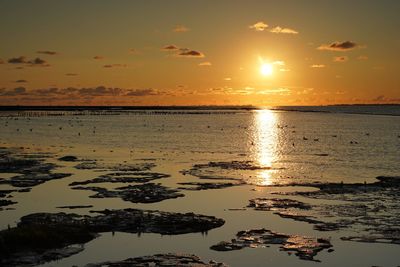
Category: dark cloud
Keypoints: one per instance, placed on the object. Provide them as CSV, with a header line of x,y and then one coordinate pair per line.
x,y
181,28
38,61
47,52
71,74
21,81
33,62
17,60
170,47
13,92
98,57
1,61
384,99
339,46
340,59
115,66
184,52
141,92
79,93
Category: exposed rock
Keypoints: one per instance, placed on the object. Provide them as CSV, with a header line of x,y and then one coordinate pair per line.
x,y
31,167
143,193
160,260
223,170
68,158
94,165
123,177
268,204
370,209
75,207
6,202
43,237
206,186
305,247
33,179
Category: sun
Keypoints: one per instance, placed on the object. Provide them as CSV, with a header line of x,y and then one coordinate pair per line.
x,y
266,69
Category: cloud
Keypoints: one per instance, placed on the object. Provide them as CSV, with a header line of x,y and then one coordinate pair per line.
x,y
98,57
141,92
71,74
33,62
181,28
278,29
318,66
38,61
17,60
115,66
185,52
133,51
284,70
47,52
13,92
339,46
340,59
259,26
170,48
205,64
279,63
362,58
79,93
21,81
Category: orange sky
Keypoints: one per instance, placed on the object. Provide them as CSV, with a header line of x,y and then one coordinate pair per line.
x,y
199,52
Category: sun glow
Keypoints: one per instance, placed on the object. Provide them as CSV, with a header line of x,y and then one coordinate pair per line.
x,y
266,69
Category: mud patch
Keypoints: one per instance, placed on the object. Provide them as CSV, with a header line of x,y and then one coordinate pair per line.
x,y
123,177
197,186
143,193
161,260
306,248
43,237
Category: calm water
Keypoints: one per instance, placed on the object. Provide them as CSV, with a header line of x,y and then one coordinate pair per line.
x,y
299,147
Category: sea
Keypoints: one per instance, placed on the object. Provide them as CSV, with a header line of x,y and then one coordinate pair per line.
x,y
293,145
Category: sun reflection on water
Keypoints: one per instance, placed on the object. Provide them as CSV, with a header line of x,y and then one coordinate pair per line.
x,y
265,144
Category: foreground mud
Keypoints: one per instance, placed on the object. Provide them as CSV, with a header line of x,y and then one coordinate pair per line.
x,y
304,247
43,237
160,260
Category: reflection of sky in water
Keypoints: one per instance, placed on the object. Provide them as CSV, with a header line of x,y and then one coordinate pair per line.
x,y
265,144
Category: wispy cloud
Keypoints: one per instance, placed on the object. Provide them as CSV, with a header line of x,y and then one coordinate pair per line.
x,y
339,46
86,92
133,51
21,81
71,74
115,66
181,28
32,62
340,59
317,66
170,48
259,26
185,52
47,52
205,64
278,29
362,57
98,57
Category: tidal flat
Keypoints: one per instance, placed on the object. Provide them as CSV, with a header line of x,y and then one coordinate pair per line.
x,y
215,188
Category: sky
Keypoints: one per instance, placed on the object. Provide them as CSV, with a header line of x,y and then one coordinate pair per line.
x,y
209,52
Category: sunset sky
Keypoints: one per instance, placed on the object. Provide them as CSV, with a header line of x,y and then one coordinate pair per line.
x,y
199,52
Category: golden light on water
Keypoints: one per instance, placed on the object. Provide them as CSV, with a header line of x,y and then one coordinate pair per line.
x,y
265,139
